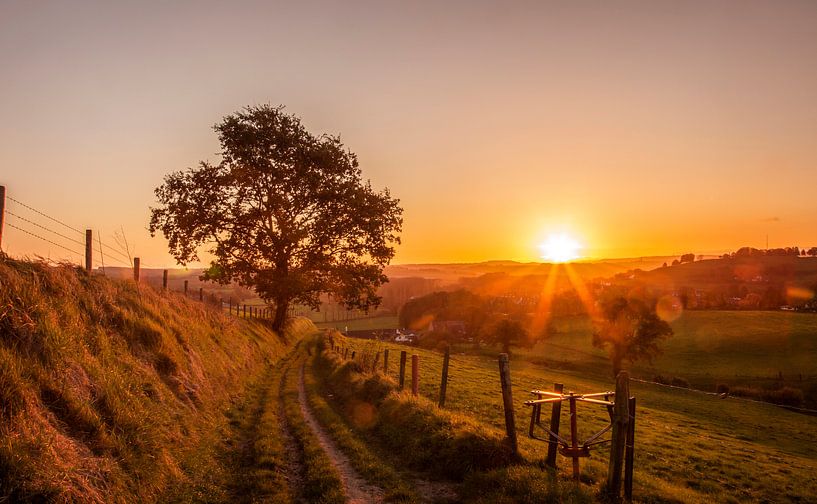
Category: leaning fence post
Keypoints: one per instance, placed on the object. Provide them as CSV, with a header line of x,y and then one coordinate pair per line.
x,y
136,267
415,374
620,420
444,379
402,379
629,453
386,361
89,249
555,414
507,399
164,280
2,212
353,355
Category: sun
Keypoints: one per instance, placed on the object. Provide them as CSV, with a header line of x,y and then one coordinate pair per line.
x,y
560,248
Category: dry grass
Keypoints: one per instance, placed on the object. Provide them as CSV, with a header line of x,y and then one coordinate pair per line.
x,y
115,392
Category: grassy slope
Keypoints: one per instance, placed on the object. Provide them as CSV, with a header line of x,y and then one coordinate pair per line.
x,y
690,447
112,392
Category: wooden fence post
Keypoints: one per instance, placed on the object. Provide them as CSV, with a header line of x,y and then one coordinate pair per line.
x,y
2,212
555,414
185,288
374,365
353,355
402,380
386,361
245,311
444,379
230,309
164,280
89,250
629,453
621,417
415,374
507,400
201,293
136,267
345,353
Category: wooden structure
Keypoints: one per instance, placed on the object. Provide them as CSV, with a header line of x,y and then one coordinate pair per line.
x,y
621,409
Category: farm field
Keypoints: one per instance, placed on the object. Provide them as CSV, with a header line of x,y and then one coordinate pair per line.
x,y
690,447
708,347
361,324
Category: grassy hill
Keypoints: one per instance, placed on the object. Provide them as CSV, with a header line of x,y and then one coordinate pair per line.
x,y
112,391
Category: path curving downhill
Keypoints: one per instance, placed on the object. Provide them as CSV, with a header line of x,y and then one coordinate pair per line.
x,y
358,491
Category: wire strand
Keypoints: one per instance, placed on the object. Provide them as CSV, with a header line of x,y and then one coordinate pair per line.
x,y
44,215
43,239
45,228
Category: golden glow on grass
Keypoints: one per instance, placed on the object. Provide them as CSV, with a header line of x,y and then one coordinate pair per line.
x,y
560,248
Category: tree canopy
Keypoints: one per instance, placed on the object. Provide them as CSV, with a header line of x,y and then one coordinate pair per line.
x,y
630,330
285,212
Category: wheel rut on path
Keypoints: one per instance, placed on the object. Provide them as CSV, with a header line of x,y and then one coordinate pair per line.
x,y
358,491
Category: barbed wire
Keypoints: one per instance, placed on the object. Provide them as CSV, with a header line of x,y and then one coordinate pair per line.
x,y
43,239
45,228
44,215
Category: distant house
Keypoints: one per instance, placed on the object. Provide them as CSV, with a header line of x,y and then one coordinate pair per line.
x,y
454,327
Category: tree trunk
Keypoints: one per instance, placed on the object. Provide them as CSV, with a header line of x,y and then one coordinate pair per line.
x,y
281,307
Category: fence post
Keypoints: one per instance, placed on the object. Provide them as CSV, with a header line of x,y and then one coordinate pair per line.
x,y
353,355
555,414
629,453
245,311
386,361
402,379
164,280
444,380
507,400
230,309
136,267
345,353
374,365
621,417
2,212
185,288
415,374
201,293
89,249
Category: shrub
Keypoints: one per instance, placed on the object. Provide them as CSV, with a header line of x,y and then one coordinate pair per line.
x,y
722,388
786,396
679,382
661,379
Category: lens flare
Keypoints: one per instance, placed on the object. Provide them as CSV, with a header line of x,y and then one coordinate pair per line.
x,y
560,248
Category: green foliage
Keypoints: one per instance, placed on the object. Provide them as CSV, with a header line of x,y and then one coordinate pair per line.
x,y
630,330
285,212
507,333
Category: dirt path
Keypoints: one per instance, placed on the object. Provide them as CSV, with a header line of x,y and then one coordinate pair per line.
x,y
356,488
295,468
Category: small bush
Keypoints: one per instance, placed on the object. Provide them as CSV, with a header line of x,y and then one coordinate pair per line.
x,y
787,396
679,382
663,380
722,388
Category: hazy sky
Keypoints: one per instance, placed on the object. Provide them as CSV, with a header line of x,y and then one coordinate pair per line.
x,y
640,128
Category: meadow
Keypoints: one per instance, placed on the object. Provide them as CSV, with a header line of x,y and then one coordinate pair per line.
x,y
690,447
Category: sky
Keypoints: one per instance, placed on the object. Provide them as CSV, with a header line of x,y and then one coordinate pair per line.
x,y
636,128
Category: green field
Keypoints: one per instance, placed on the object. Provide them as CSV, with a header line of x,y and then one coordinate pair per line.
x,y
691,447
708,347
361,324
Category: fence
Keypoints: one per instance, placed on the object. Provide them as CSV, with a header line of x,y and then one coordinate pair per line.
x,y
40,225
619,405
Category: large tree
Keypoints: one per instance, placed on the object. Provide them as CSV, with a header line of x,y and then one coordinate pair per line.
x,y
284,212
630,330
